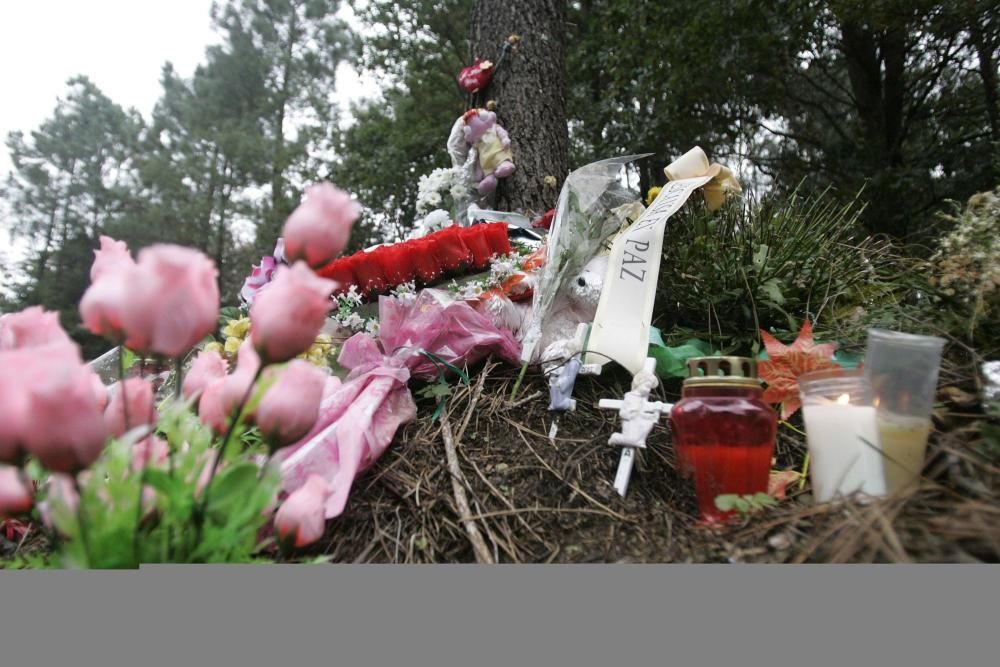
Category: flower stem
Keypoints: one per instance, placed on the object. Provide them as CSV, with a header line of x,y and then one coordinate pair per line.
x,y
520,378
121,383
178,377
80,521
236,419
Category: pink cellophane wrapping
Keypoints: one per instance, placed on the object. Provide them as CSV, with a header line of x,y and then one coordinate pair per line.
x,y
359,418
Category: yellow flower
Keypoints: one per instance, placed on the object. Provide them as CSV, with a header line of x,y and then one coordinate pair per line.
x,y
237,328
233,345
319,351
215,346
651,195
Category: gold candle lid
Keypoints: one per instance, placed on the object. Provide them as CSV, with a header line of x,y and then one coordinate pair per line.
x,y
722,371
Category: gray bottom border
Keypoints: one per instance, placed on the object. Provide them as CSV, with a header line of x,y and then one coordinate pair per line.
x,y
505,615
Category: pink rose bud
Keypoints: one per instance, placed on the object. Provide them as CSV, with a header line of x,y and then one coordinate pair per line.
x,y
206,471
206,367
100,391
286,318
172,301
131,406
319,228
13,416
221,397
66,431
103,304
61,491
290,406
32,327
150,451
15,495
111,255
301,519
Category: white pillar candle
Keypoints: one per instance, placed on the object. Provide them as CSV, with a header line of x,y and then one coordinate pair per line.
x,y
844,449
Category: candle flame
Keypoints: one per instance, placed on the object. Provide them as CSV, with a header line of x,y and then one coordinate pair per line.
x,y
844,399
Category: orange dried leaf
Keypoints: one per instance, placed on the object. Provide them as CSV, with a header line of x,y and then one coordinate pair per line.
x,y
779,480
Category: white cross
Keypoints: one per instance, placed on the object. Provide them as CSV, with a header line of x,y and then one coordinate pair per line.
x,y
639,416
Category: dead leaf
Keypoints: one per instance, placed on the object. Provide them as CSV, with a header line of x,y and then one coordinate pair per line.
x,y
779,480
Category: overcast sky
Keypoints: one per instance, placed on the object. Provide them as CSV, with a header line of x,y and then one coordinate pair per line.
x,y
120,44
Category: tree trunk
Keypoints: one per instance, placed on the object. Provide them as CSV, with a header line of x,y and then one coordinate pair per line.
x,y
988,73
530,91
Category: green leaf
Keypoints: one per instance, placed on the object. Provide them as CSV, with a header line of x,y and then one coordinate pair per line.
x,y
726,502
439,389
772,288
230,489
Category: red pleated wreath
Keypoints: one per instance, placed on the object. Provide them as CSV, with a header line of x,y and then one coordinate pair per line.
x,y
452,251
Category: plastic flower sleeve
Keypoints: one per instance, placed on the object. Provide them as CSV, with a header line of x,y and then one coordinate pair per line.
x,y
358,419
582,222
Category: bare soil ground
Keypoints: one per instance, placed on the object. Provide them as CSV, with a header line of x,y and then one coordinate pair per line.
x,y
535,500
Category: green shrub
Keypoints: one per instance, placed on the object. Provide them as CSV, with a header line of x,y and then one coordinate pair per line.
x,y
768,264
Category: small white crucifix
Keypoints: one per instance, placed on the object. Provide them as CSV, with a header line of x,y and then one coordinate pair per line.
x,y
638,416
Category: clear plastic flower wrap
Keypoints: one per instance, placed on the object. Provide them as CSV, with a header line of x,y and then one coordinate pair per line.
x,y
584,219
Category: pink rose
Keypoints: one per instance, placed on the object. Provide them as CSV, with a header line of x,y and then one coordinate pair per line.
x,y
290,406
134,400
173,301
103,304
259,278
300,520
66,430
62,491
206,471
319,228
32,327
152,450
221,397
13,417
206,367
100,391
111,255
15,496
285,319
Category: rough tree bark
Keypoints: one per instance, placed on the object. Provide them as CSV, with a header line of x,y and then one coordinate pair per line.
x,y
530,91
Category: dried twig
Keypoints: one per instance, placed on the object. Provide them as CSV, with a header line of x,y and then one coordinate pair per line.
x,y
461,501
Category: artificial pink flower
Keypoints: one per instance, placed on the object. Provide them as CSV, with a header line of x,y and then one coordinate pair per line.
x,y
134,400
206,471
100,391
32,327
13,417
300,520
15,496
286,318
66,431
103,304
112,254
206,367
152,450
290,406
62,491
260,277
221,397
173,302
318,229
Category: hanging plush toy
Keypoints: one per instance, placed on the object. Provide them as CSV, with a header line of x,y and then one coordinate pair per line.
x,y
476,76
492,144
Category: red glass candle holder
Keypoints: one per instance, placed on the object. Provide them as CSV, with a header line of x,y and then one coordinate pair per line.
x,y
723,431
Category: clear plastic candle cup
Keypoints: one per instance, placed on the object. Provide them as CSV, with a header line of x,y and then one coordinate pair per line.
x,y
903,372
842,434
